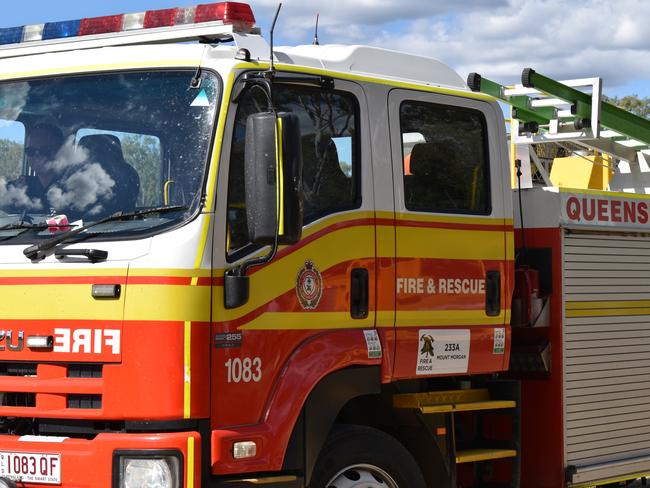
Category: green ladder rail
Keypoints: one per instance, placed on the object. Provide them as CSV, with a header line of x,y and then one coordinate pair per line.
x,y
627,125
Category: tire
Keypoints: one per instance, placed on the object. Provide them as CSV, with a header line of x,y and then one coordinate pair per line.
x,y
362,457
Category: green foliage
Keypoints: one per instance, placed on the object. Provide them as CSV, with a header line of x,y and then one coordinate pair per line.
x,y
11,159
632,103
143,153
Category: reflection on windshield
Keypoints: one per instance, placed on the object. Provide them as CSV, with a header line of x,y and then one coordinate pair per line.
x,y
87,147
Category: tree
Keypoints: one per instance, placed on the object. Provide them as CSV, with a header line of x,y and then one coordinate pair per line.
x,y
11,158
632,103
143,153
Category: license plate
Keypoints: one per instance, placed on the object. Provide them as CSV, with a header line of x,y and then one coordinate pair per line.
x,y
31,467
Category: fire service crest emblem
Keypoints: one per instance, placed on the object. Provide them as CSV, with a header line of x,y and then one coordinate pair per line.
x,y
309,286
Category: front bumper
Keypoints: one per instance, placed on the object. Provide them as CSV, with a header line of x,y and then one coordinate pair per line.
x,y
91,463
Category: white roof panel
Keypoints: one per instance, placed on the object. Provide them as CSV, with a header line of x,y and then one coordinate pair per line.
x,y
373,61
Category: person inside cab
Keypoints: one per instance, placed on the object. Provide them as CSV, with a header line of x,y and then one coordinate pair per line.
x,y
89,180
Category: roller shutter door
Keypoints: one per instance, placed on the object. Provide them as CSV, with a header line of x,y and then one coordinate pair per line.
x,y
606,347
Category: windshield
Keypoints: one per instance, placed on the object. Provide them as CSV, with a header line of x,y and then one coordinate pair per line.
x,y
76,149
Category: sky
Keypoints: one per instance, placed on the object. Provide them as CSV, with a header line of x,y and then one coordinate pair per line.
x,y
562,39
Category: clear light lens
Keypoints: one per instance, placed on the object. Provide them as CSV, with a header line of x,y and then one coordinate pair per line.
x,y
133,21
33,32
244,450
185,15
147,473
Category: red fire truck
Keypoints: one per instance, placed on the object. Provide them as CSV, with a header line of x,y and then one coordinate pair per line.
x,y
224,264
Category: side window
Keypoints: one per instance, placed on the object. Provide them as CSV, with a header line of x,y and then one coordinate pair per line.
x,y
446,166
12,147
331,176
144,154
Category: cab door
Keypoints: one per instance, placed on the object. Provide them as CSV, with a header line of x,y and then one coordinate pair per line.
x,y
325,283
452,268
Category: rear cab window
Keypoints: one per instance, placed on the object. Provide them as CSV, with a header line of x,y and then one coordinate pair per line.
x,y
445,158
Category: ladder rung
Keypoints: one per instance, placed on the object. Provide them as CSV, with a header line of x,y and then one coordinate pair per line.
x,y
468,407
475,455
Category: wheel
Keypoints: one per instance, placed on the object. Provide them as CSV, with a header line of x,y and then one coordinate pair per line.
x,y
362,457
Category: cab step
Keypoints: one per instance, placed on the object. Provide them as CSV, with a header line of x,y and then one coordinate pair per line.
x,y
450,401
476,455
476,431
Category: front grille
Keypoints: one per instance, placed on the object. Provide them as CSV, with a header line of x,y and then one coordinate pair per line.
x,y
85,371
18,399
85,401
17,369
36,389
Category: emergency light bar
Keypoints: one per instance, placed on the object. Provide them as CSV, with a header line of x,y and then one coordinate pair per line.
x,y
239,15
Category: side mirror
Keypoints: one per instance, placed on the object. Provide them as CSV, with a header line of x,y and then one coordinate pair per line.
x,y
273,176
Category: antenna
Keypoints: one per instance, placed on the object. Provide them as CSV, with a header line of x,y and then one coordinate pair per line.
x,y
316,43
277,12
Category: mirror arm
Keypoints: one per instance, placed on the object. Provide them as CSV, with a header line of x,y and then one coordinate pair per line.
x,y
237,284
262,260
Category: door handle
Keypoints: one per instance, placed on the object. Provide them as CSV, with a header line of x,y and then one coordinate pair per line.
x,y
493,293
359,293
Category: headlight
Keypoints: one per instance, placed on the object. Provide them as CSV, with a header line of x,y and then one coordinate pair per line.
x,y
149,472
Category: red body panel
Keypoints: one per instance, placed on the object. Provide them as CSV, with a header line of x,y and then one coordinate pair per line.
x,y
542,433
313,359
89,463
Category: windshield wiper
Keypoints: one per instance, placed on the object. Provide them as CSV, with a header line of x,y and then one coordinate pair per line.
x,y
37,251
27,226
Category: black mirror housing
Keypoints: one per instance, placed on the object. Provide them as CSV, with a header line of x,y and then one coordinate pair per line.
x,y
273,178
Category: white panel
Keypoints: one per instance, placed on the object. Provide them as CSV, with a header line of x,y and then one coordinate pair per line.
x,y
607,358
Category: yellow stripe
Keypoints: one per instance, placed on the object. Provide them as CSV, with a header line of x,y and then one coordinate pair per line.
x,y
607,308
370,79
71,302
603,193
444,219
74,302
164,302
342,320
450,244
447,318
133,272
218,143
279,167
272,281
304,321
170,63
190,462
385,318
187,371
214,167
510,246
614,312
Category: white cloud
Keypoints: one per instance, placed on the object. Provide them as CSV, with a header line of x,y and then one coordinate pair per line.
x,y
497,38
83,190
14,194
13,97
68,155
